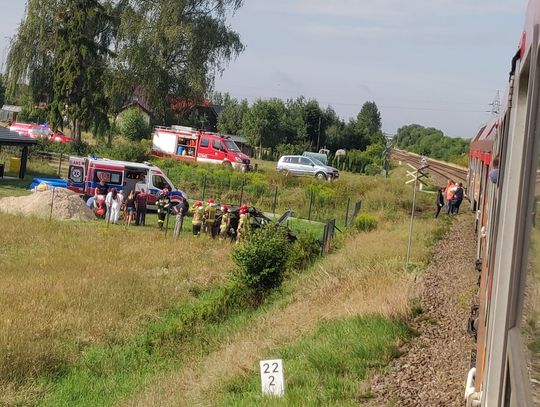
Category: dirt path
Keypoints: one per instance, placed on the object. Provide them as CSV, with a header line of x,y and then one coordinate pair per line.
x,y
434,367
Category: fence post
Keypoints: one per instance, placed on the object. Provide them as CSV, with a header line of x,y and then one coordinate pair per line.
x,y
52,204
310,205
275,202
242,191
60,164
204,187
347,213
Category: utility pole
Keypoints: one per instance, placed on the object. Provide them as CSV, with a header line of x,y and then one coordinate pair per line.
x,y
319,134
417,176
495,105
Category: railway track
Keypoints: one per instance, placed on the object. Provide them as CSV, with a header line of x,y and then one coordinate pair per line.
x,y
439,169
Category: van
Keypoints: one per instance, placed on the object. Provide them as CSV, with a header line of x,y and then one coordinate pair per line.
x,y
84,175
301,165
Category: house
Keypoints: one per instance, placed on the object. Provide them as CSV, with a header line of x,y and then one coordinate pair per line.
x,y
9,113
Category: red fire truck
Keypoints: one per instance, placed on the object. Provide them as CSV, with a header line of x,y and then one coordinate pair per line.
x,y
187,143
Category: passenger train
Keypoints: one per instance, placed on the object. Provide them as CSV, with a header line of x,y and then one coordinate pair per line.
x,y
504,188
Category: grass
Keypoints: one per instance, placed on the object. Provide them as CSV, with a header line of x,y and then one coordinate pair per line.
x,y
67,286
326,367
98,316
364,277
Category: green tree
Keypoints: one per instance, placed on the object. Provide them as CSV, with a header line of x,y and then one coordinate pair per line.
x,y
174,49
133,126
2,90
262,124
369,122
79,66
231,117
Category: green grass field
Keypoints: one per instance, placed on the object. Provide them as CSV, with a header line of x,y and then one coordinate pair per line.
x,y
95,315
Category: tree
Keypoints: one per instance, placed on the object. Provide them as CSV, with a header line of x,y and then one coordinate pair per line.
x,y
174,49
133,126
231,117
369,123
2,90
79,66
262,125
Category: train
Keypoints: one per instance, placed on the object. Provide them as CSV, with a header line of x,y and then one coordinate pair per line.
x,y
503,185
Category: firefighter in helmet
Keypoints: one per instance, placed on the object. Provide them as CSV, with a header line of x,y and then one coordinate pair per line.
x,y
243,223
163,204
210,217
225,224
198,217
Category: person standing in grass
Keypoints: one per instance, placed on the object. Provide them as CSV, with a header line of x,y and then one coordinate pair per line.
x,y
198,217
130,208
141,199
225,224
113,201
180,211
210,217
458,198
449,194
163,204
440,201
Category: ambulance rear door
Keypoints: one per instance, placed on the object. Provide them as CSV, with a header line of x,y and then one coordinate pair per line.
x,y
77,172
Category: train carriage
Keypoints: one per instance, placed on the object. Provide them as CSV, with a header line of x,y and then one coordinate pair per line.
x,y
506,371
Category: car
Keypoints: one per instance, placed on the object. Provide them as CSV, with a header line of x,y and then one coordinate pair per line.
x,y
300,165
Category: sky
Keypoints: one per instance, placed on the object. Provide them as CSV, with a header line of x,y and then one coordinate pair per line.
x,y
438,63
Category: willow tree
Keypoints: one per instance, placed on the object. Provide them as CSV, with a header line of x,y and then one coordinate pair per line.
x,y
175,48
31,52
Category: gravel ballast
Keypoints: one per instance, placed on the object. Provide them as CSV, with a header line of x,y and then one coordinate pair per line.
x,y
433,369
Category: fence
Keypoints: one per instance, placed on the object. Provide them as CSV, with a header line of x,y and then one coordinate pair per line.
x,y
58,161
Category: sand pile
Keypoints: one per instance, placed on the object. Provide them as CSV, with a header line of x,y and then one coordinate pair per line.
x,y
67,205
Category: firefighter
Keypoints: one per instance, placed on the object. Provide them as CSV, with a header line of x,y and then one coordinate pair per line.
x,y
243,223
225,224
210,217
163,203
198,217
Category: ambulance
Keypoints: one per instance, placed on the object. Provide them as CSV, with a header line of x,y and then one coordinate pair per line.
x,y
189,144
85,174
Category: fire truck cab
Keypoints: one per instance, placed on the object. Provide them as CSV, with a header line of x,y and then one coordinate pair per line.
x,y
84,175
189,144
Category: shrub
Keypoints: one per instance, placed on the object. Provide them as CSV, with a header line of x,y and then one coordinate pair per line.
x,y
262,259
304,252
133,126
365,222
136,151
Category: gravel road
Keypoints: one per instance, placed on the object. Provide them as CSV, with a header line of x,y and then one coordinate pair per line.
x,y
433,369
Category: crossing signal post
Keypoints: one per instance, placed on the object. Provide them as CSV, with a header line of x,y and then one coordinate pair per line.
x,y
416,178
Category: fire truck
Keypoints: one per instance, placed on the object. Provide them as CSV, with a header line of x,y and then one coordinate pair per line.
x,y
189,144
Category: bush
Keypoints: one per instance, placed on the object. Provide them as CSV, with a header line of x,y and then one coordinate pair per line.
x,y
304,252
133,126
262,259
365,222
137,151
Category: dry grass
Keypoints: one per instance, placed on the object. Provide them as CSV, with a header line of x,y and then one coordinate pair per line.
x,y
66,286
366,276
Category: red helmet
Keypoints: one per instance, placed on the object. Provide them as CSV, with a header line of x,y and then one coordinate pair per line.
x,y
243,211
225,209
199,203
210,200
244,206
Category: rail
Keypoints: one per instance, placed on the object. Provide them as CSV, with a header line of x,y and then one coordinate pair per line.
x,y
441,168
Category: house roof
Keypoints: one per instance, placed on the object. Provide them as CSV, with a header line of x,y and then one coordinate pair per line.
x,y
11,138
137,103
12,108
